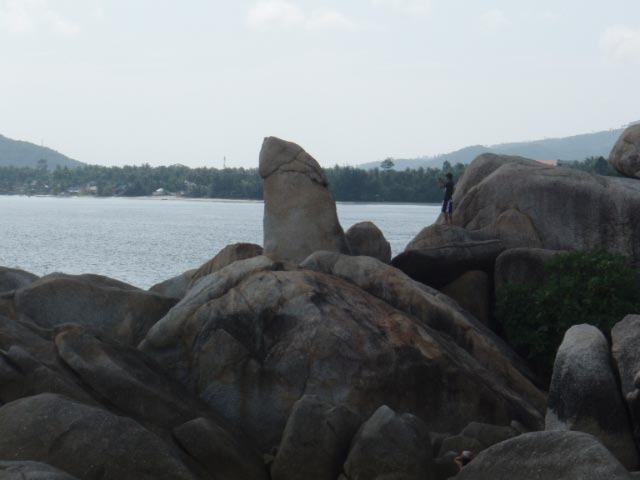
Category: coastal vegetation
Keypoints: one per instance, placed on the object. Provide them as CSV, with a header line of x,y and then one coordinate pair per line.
x,y
346,183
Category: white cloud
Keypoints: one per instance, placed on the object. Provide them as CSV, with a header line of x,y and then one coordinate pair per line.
x,y
412,7
270,14
494,20
30,16
621,43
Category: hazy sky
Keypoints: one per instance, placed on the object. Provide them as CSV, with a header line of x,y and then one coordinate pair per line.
x,y
118,82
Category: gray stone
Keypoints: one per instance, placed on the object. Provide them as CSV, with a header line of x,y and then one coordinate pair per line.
x,y
31,471
108,307
365,238
175,287
226,256
584,394
472,291
625,338
315,442
625,156
441,253
392,446
299,211
522,265
568,209
488,435
13,279
84,441
554,455
219,452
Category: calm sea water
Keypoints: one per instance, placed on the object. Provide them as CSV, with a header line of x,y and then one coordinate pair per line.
x,y
145,241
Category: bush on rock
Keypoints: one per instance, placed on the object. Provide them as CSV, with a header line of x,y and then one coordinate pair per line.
x,y
594,287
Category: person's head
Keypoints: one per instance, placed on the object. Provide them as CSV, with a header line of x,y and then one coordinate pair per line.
x,y
449,176
466,456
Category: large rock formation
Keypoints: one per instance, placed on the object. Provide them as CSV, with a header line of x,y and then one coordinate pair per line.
x,y
625,338
584,394
472,290
545,456
299,211
365,238
13,279
625,156
226,256
109,307
567,209
522,265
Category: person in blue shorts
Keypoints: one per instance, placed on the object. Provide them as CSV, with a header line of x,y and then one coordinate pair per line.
x,y
447,203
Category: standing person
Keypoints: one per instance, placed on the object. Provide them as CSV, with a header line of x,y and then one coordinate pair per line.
x,y
447,203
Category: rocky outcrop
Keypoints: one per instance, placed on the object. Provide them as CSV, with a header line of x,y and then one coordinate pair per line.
x,y
111,308
441,253
625,338
472,291
365,238
562,455
584,394
625,156
568,209
389,445
299,211
84,441
315,441
226,256
522,265
13,279
175,287
31,471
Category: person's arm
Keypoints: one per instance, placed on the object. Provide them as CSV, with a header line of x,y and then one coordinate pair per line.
x,y
440,182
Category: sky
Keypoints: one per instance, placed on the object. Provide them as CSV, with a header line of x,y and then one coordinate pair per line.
x,y
117,82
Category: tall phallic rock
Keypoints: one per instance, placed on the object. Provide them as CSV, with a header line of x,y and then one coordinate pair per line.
x,y
625,156
299,211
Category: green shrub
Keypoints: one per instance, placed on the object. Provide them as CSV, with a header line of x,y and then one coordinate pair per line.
x,y
593,287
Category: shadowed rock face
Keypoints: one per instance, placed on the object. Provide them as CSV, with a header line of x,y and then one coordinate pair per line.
x,y
31,471
522,265
546,455
625,156
299,211
13,279
259,341
568,209
584,394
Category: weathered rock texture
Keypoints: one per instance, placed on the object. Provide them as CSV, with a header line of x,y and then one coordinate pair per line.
x,y
472,290
441,253
109,307
365,238
251,340
567,209
13,279
390,445
522,265
584,394
31,471
175,287
625,156
625,339
299,211
544,456
226,256
315,442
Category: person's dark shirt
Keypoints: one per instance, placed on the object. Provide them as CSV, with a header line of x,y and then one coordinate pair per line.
x,y
448,190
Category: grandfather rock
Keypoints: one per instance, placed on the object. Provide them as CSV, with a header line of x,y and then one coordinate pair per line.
x,y
625,156
315,442
584,394
87,442
299,211
365,238
108,307
551,455
568,209
389,445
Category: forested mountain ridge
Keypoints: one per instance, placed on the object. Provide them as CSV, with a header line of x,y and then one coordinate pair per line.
x,y
17,153
576,147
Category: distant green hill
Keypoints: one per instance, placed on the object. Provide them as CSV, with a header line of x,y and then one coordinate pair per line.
x,y
15,153
577,147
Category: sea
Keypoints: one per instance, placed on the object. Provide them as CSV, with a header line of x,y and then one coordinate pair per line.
x,y
143,241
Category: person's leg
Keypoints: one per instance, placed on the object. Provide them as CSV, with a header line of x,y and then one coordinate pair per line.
x,y
449,213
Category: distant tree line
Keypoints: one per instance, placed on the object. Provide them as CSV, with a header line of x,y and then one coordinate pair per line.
x,y
348,184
